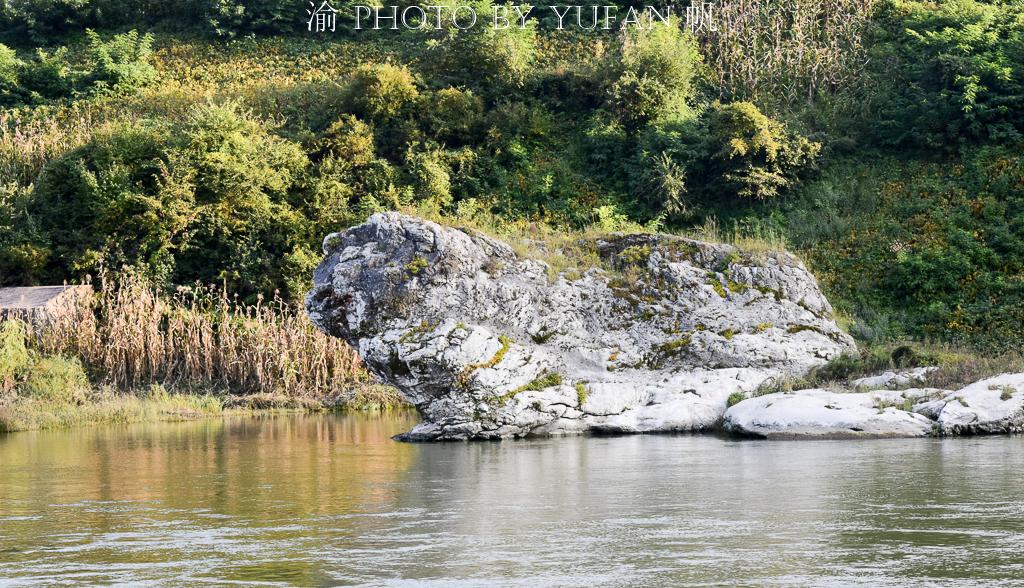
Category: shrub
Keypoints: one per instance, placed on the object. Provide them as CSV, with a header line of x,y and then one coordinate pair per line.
x,y
948,72
14,356
57,379
735,398
348,139
430,176
214,198
452,115
654,76
486,58
21,257
103,204
48,75
230,18
755,156
121,65
9,66
732,151
46,18
242,178
381,91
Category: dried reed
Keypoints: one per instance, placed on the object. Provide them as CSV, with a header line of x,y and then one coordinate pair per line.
x,y
131,336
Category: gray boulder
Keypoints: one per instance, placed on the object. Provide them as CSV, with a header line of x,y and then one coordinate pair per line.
x,y
893,379
488,344
826,414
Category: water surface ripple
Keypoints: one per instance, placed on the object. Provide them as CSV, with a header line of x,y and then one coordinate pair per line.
x,y
331,500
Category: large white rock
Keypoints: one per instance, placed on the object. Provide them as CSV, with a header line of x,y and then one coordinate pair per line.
x,y
826,414
486,345
994,405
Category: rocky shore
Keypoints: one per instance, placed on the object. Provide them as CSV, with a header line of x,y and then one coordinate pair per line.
x,y
662,334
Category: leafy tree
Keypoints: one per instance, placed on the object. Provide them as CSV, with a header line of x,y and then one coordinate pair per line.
x,y
9,66
751,154
653,76
213,199
732,151
453,116
103,204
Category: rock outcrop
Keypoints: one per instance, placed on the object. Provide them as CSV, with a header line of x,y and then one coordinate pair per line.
x,y
827,414
991,406
487,344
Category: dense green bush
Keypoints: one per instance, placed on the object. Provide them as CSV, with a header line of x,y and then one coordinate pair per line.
x,y
56,379
654,75
46,18
381,92
486,58
348,139
431,177
731,152
47,76
232,17
22,259
121,65
750,154
9,65
214,199
948,72
50,20
14,356
453,116
104,203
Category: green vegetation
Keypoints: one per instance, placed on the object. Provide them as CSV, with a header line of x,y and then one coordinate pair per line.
x,y
735,398
880,140
544,380
581,393
957,366
467,373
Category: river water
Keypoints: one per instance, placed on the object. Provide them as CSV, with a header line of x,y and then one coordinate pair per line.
x,y
332,500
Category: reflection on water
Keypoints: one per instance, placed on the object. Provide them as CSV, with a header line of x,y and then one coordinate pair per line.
x,y
331,500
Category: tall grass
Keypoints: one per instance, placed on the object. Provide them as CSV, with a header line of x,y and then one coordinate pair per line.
x,y
788,51
133,336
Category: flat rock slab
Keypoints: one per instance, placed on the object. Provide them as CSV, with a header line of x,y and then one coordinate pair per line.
x,y
987,407
825,414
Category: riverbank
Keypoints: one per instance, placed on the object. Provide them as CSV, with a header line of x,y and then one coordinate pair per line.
x,y
106,406
133,355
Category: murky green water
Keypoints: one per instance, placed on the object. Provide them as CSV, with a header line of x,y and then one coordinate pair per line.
x,y
331,500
